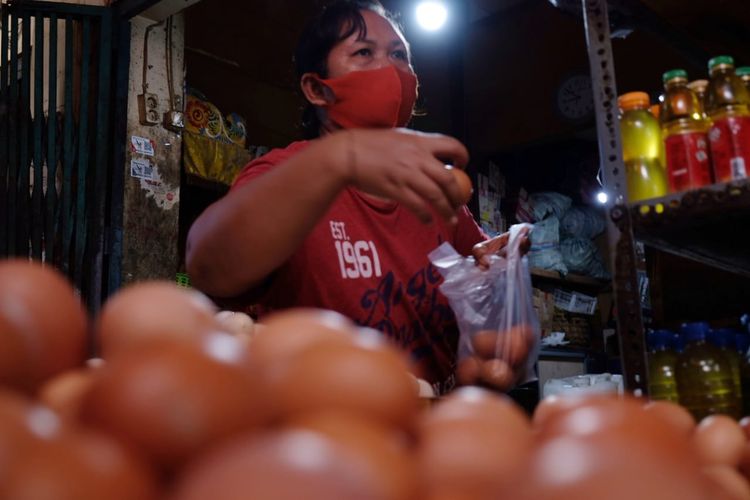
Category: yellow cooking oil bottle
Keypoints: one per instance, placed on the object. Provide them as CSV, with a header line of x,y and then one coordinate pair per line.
x,y
662,361
685,135
704,376
744,73
724,339
742,343
641,147
656,111
727,103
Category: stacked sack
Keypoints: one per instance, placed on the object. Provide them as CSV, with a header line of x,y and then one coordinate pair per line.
x,y
562,239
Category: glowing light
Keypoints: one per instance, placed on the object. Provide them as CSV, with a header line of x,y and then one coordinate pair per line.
x,y
431,15
602,197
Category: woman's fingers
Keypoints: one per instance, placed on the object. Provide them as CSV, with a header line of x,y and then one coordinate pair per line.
x,y
446,148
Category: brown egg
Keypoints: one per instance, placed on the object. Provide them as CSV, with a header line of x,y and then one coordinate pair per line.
x,y
386,452
674,414
744,465
43,324
371,381
15,363
236,323
497,373
719,440
286,465
727,480
22,424
287,333
547,408
78,466
471,444
602,419
464,184
484,343
570,467
474,403
64,393
172,400
153,312
467,371
745,424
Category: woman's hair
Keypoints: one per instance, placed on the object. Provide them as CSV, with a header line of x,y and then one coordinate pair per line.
x,y
336,22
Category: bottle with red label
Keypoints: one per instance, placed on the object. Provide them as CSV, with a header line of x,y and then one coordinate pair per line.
x,y
727,103
685,135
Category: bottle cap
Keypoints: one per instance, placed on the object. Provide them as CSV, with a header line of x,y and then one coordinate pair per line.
x,y
720,60
695,332
743,71
674,73
633,100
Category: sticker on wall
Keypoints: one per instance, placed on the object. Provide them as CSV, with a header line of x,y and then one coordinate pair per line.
x,y
142,145
142,169
164,195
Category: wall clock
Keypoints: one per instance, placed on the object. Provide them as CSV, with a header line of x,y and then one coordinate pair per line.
x,y
574,100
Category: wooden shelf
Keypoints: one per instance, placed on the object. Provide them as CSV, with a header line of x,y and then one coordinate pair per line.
x,y
569,279
709,225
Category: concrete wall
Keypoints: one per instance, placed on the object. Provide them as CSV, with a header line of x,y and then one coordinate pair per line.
x,y
152,195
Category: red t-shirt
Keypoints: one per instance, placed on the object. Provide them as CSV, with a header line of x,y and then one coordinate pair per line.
x,y
367,259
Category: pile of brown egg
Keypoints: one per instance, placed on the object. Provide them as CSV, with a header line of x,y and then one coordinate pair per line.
x,y
188,405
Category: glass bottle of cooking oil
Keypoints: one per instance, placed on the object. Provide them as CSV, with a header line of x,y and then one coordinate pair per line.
x,y
724,339
727,103
704,376
744,73
700,87
742,344
656,111
662,360
685,135
641,143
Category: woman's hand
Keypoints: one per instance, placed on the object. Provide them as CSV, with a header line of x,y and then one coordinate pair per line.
x,y
405,166
497,245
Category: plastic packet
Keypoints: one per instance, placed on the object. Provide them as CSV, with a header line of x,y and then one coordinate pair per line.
x,y
499,330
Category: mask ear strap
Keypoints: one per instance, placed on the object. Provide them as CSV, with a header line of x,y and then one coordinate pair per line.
x,y
316,91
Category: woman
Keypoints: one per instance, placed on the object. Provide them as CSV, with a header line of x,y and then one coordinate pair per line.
x,y
345,221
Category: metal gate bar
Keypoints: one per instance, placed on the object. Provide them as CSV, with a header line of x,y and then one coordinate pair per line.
x,y
4,117
12,124
68,152
37,223
52,213
22,238
55,166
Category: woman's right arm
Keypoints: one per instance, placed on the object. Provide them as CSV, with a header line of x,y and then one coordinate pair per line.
x,y
242,238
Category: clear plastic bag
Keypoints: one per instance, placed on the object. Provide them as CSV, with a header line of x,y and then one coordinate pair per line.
x,y
499,330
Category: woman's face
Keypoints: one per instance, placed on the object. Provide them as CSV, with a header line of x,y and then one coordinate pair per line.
x,y
382,46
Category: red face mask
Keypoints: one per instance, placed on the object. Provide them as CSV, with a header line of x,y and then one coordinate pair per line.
x,y
378,98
